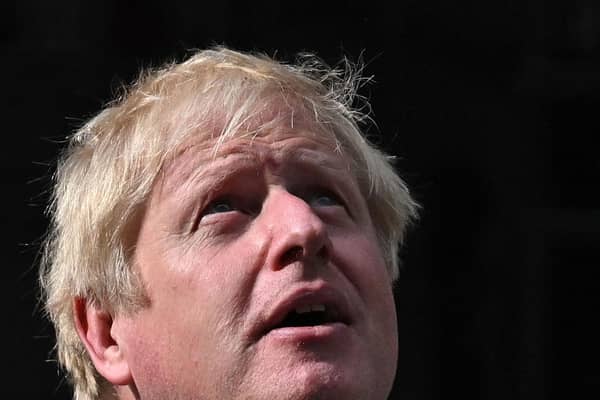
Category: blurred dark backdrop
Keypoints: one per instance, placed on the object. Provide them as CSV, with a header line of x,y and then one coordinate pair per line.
x,y
491,106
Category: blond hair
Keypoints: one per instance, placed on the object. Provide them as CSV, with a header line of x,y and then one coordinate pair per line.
x,y
105,174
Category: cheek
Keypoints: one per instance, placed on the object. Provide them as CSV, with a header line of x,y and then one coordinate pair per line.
x,y
364,265
174,347
198,302
142,348
365,268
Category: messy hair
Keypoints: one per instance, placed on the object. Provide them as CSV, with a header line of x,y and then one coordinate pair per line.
x,y
105,174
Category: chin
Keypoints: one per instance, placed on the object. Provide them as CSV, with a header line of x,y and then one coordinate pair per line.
x,y
323,382
287,369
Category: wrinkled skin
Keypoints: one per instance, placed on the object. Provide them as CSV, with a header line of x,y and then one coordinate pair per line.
x,y
224,242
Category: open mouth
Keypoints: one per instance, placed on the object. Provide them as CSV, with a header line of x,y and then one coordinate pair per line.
x,y
314,305
310,315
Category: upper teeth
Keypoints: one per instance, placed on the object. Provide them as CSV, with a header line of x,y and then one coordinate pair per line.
x,y
309,308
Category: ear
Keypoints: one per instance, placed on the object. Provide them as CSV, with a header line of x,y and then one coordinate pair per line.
x,y
94,328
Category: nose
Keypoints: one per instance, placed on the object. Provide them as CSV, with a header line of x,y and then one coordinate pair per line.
x,y
297,233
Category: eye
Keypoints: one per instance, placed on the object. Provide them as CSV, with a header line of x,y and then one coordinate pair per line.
x,y
222,205
218,206
224,212
325,198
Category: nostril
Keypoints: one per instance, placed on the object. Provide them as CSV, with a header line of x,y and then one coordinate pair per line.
x,y
297,253
323,253
292,255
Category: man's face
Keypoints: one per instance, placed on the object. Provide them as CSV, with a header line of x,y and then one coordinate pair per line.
x,y
264,277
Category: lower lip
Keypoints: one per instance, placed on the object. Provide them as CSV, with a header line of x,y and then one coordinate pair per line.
x,y
308,333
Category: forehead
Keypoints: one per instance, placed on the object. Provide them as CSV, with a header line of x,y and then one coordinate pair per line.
x,y
272,123
304,149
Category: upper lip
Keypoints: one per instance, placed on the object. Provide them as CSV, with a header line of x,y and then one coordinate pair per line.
x,y
318,293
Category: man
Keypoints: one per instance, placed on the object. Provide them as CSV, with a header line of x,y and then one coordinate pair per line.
x,y
224,231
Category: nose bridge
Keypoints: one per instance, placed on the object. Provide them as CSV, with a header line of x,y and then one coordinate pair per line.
x,y
297,232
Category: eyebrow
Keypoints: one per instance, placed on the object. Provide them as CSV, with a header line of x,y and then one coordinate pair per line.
x,y
216,171
203,169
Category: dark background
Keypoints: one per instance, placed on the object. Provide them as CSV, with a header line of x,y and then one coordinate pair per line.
x,y
492,107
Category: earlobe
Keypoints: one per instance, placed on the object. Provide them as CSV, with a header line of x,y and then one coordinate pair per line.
x,y
94,329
